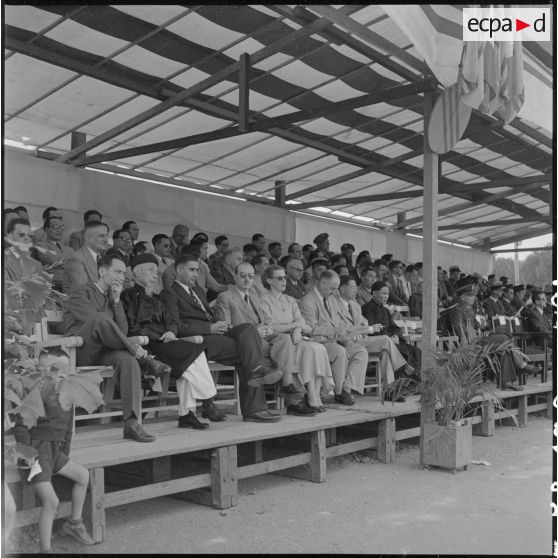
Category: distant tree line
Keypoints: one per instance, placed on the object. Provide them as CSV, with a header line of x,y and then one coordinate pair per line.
x,y
535,269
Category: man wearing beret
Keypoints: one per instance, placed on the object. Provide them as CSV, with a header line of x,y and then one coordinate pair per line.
x,y
506,300
454,276
146,316
463,323
322,245
95,313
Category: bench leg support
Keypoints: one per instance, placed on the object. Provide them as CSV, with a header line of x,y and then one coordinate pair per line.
x,y
318,457
386,440
97,503
488,421
224,485
522,411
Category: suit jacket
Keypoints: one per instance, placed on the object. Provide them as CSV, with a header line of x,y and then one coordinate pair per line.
x,y
378,314
507,306
79,269
296,291
233,309
395,291
398,289
492,308
363,295
517,303
316,316
205,280
86,302
535,321
183,316
415,305
18,264
50,254
222,275
354,320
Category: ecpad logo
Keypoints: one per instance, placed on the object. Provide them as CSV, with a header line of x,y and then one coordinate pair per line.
x,y
506,24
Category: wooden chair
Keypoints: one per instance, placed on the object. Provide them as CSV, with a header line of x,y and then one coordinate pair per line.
x,y
373,379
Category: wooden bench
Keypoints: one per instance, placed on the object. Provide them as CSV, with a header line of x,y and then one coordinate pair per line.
x,y
101,448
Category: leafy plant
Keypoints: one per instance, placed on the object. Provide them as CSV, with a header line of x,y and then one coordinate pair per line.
x,y
456,379
26,382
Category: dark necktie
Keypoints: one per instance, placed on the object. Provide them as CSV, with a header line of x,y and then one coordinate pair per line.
x,y
351,313
58,246
249,301
326,306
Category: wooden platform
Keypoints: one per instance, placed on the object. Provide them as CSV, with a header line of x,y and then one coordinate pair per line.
x,y
233,450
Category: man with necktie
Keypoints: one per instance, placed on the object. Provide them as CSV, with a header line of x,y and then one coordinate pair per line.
x,y
95,313
187,313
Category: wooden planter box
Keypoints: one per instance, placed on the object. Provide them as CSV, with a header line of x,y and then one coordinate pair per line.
x,y
448,446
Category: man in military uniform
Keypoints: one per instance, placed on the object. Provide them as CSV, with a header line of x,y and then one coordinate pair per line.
x,y
506,301
492,305
464,324
322,245
518,294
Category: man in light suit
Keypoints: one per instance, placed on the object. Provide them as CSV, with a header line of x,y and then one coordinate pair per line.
x,y
81,267
350,314
241,305
397,292
187,313
348,360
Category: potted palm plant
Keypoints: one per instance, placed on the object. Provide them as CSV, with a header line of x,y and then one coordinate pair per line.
x,y
452,387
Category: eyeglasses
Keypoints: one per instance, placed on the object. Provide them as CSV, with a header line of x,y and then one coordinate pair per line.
x,y
296,269
280,278
57,227
23,235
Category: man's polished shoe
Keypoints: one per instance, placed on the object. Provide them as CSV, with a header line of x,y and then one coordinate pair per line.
x,y
300,409
191,421
151,366
210,411
134,431
344,398
262,416
263,376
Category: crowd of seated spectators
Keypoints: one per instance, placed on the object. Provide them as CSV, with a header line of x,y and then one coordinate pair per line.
x,y
306,320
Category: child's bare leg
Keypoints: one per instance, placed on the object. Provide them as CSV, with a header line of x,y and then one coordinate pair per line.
x,y
49,502
79,474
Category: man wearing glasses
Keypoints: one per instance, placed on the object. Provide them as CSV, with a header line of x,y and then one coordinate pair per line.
x,y
295,271
397,292
51,252
17,261
179,238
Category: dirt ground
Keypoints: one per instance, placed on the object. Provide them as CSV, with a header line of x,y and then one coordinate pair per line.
x,y
364,507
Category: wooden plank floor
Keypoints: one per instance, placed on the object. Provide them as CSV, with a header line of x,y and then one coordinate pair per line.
x,y
99,446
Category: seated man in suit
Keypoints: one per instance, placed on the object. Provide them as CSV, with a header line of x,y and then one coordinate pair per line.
x,y
216,259
415,301
17,261
376,312
259,263
146,316
368,335
51,252
81,267
537,321
39,234
518,296
241,305
95,313
76,238
295,270
348,360
318,265
122,246
187,314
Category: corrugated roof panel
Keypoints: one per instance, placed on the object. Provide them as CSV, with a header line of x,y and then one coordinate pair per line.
x,y
157,14
28,17
148,62
26,79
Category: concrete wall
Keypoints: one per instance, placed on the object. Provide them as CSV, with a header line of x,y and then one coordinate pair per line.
x,y
38,183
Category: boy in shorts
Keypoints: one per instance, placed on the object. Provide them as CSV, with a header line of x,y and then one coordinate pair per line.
x,y
51,438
